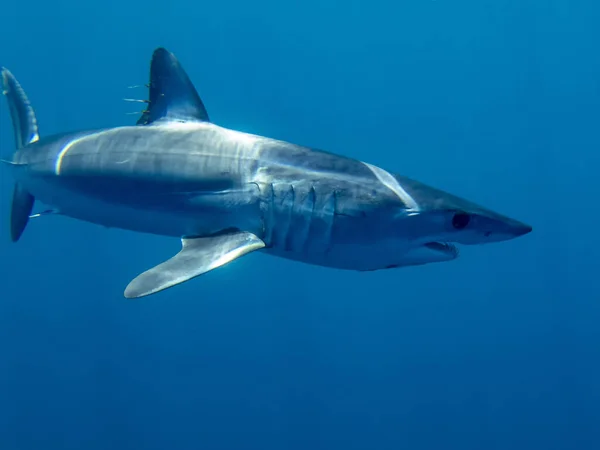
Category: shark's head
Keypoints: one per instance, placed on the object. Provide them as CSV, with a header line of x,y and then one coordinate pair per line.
x,y
438,221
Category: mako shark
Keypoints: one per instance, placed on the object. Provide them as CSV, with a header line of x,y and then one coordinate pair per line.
x,y
226,193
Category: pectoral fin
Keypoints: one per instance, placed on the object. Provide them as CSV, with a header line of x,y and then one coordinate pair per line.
x,y
197,256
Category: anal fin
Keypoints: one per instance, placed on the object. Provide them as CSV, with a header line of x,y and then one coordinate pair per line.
x,y
22,205
197,256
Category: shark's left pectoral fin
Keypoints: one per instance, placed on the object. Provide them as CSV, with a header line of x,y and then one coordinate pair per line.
x,y
197,256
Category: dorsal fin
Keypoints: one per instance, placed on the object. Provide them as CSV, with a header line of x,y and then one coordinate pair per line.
x,y
172,94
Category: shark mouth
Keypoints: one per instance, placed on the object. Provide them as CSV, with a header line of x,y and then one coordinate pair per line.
x,y
446,248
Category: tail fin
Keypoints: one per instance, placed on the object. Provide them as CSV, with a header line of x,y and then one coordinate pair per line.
x,y
26,131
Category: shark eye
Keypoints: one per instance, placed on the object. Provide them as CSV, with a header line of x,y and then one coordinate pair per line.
x,y
460,220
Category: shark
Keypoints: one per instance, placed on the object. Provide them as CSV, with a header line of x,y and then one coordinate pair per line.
x,y
226,193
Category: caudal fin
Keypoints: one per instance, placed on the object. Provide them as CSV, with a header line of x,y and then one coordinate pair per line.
x,y
26,131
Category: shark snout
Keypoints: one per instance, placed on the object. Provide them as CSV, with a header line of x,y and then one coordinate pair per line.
x,y
505,229
491,227
523,229
516,228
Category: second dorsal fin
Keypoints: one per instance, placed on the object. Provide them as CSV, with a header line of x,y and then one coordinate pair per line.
x,y
172,96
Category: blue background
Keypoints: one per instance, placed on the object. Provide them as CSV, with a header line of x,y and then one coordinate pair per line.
x,y
494,100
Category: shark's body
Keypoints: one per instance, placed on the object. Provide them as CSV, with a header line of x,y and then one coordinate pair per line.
x,y
227,193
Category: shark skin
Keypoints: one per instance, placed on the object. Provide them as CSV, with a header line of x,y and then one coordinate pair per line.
x,y
226,193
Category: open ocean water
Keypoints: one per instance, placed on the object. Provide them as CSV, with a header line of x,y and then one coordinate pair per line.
x,y
497,101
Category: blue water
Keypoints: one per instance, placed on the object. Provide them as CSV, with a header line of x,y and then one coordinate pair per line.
x,y
494,100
